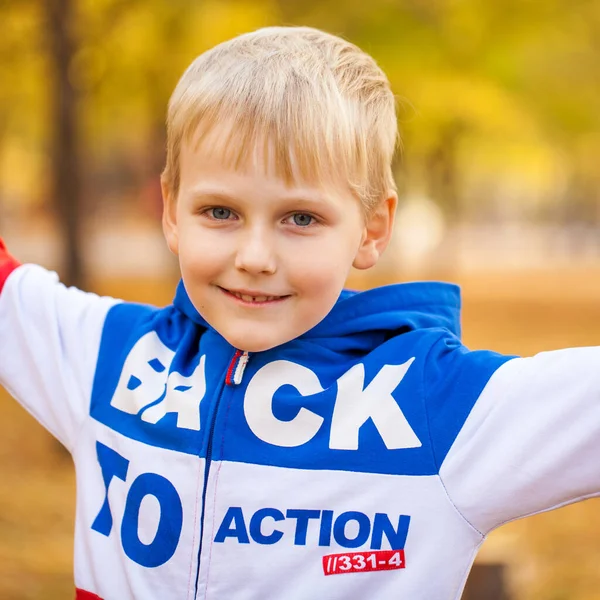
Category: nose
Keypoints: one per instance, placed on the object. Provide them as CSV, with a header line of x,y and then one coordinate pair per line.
x,y
255,253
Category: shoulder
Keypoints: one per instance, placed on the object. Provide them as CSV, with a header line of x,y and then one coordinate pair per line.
x,y
128,322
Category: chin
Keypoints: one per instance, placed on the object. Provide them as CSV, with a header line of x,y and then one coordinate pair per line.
x,y
253,345
253,348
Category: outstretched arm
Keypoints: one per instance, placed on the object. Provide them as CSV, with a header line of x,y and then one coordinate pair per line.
x,y
49,340
532,440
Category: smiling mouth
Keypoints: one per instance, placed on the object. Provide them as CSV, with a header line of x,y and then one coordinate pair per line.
x,y
252,298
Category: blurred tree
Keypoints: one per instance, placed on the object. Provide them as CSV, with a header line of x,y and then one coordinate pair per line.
x,y
20,117
498,75
65,153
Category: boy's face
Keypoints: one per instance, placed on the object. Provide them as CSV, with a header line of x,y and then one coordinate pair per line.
x,y
264,262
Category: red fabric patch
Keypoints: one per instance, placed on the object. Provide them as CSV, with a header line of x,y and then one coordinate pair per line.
x,y
355,562
7,264
83,595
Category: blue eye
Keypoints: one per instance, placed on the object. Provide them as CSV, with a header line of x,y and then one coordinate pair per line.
x,y
302,219
220,213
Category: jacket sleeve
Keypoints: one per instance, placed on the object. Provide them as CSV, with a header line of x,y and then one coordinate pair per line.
x,y
49,340
531,442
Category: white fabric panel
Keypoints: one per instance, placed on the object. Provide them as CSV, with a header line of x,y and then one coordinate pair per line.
x,y
101,564
440,545
49,340
532,441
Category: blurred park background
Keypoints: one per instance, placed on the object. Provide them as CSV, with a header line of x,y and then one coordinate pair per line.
x,y
499,180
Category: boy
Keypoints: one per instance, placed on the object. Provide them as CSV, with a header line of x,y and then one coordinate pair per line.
x,y
269,435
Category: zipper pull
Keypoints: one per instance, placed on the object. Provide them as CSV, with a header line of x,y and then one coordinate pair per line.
x,y
238,363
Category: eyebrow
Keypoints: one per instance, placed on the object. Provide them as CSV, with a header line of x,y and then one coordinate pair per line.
x,y
217,196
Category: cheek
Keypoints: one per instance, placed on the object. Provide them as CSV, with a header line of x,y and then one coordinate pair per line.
x,y
321,270
201,256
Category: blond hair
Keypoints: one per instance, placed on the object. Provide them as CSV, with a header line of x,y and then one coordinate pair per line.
x,y
315,103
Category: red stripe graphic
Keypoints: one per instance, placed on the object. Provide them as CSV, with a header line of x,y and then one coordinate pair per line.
x,y
228,377
83,595
7,264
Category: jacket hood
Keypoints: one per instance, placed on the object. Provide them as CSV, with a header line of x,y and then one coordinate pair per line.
x,y
363,320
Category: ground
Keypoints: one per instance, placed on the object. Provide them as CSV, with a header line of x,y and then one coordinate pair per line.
x,y
550,557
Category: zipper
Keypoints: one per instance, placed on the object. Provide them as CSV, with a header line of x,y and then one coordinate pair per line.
x,y
233,376
237,366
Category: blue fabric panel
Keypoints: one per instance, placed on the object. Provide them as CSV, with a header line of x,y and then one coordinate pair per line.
x,y
124,326
387,326
454,378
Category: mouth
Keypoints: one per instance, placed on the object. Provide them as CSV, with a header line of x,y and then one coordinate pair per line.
x,y
252,298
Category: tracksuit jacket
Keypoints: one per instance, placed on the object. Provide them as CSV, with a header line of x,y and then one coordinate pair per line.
x,y
367,458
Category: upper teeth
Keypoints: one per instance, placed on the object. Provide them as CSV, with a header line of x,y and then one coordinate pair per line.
x,y
247,298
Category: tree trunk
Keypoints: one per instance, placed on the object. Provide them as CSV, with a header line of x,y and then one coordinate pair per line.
x,y
66,172
487,582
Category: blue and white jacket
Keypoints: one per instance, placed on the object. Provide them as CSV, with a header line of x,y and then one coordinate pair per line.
x,y
368,458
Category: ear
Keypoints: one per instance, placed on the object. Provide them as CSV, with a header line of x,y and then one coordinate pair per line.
x,y
377,233
169,218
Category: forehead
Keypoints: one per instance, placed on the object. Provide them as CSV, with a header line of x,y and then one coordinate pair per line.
x,y
226,152
295,154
